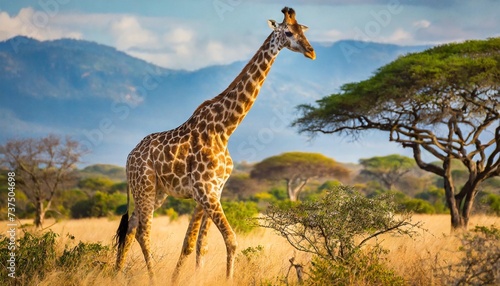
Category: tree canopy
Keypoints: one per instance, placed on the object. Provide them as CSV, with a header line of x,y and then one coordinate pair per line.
x,y
388,169
297,168
443,101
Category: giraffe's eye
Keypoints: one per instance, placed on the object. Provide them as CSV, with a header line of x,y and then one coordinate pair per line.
x,y
288,33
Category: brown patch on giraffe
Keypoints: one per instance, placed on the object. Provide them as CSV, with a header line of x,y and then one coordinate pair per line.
x,y
219,116
250,87
238,109
219,128
179,167
263,67
202,126
156,153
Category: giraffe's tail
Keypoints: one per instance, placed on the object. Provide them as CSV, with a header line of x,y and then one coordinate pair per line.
x,y
121,232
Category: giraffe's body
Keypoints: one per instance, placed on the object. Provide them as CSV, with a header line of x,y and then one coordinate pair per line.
x,y
192,160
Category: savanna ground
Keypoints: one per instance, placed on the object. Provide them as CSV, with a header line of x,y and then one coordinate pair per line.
x,y
263,256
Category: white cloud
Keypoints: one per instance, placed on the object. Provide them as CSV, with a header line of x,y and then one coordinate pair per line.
x,y
399,36
180,40
422,24
129,33
179,36
34,24
179,47
216,51
331,35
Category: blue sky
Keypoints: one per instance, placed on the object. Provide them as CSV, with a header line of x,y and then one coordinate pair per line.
x,y
194,34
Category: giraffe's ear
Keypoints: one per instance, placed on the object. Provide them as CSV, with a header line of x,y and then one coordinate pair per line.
x,y
272,24
304,28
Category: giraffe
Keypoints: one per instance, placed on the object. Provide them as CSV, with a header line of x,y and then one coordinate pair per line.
x,y
192,160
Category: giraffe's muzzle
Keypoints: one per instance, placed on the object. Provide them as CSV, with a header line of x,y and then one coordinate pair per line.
x,y
310,54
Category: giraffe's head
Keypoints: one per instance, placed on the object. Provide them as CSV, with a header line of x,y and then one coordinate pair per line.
x,y
290,34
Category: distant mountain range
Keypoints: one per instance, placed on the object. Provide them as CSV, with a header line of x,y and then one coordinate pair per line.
x,y
110,100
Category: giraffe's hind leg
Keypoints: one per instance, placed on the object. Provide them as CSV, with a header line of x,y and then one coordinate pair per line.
x,y
201,243
143,235
129,238
189,240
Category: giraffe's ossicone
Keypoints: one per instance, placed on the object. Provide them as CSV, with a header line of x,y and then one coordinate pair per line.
x,y
192,160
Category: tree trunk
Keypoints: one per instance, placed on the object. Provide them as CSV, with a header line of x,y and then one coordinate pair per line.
x,y
461,205
292,195
469,191
457,221
39,214
293,192
453,202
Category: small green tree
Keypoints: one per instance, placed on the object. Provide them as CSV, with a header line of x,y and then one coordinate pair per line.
x,y
336,227
296,169
387,169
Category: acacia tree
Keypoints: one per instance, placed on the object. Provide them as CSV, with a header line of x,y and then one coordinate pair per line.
x,y
42,168
443,102
297,168
388,169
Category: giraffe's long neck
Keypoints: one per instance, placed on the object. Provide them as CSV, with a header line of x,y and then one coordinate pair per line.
x,y
226,111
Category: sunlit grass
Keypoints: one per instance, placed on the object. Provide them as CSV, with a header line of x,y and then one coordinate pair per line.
x,y
411,258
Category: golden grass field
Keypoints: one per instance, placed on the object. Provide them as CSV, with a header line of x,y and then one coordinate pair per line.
x,y
410,258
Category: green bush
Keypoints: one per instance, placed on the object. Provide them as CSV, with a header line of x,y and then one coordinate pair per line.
x,y
181,206
419,206
364,268
492,203
36,256
263,197
280,194
170,212
239,215
34,253
82,254
335,228
480,262
81,209
101,204
436,197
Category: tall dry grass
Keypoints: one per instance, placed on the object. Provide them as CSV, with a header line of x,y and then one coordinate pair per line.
x,y
414,259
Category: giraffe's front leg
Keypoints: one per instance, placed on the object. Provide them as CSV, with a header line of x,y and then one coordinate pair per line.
x,y
213,208
217,215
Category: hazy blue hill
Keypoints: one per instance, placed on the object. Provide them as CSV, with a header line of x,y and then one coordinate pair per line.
x,y
68,69
73,86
